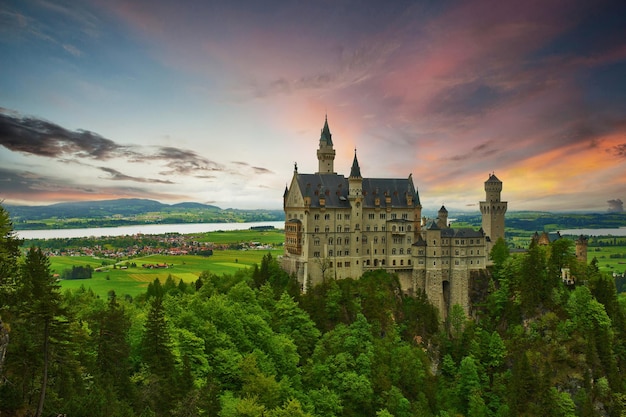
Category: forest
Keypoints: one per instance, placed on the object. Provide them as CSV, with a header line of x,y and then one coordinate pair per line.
x,y
251,344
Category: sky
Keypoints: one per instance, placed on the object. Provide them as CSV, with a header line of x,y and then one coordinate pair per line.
x,y
215,101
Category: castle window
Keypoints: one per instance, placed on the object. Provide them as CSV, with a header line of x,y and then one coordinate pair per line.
x,y
401,251
316,217
347,253
368,252
347,241
408,251
357,239
434,242
339,265
367,228
326,216
456,242
347,217
330,252
383,251
382,262
338,216
462,241
408,240
401,261
300,216
471,241
316,254
375,251
347,264
330,240
367,262
472,252
370,216
393,216
456,252
376,228
375,240
364,240
393,251
434,263
338,228
316,242
394,262
408,228
405,216
346,229
330,264
383,215
327,229
456,262
357,227
477,251
383,239
393,229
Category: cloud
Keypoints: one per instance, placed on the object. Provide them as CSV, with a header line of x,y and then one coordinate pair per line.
x,y
616,206
184,162
619,150
118,176
256,170
42,138
33,136
27,186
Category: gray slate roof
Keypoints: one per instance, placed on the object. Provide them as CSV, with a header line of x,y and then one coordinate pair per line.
x,y
335,188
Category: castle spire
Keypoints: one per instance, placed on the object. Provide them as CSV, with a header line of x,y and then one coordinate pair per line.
x,y
326,152
355,171
326,136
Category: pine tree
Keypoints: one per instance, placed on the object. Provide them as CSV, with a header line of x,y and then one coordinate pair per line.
x,y
41,311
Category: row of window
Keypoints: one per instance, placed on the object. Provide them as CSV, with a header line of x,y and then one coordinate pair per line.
x,y
340,216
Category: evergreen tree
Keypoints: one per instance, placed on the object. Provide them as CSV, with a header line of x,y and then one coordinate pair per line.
x,y
156,353
40,321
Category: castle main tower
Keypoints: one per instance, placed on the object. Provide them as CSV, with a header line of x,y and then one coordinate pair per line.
x,y
493,210
326,152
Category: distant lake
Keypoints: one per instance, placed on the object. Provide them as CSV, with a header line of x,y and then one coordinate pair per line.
x,y
616,231
146,229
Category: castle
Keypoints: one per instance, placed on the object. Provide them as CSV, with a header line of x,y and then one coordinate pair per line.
x,y
338,227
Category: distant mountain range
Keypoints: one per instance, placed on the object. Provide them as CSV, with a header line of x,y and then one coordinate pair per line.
x,y
129,211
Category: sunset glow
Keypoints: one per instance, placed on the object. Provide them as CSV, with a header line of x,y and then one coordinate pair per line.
x,y
213,103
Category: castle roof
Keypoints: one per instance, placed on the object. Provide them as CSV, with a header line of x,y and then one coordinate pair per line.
x,y
493,178
326,136
335,189
443,209
461,233
355,171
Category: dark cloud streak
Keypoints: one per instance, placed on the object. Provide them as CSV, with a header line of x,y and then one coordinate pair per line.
x,y
42,138
118,176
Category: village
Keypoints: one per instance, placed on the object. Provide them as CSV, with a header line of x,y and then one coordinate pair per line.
x,y
128,247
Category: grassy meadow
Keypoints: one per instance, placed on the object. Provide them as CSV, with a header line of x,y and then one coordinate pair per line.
x,y
134,280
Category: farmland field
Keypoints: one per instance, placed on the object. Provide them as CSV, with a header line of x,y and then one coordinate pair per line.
x,y
126,279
